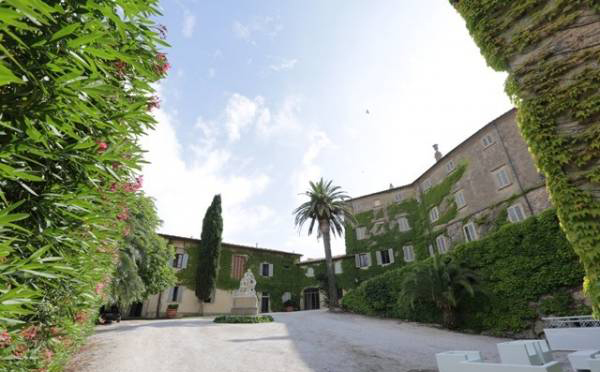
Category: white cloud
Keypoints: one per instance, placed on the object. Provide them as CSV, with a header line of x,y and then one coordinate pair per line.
x,y
189,23
240,31
269,26
285,120
184,189
283,65
240,113
309,170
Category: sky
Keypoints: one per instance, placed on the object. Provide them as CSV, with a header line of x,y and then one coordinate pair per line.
x,y
265,96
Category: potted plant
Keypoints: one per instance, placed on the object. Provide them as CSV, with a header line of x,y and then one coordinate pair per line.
x,y
172,310
289,305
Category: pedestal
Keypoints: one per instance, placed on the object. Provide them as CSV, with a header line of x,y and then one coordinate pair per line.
x,y
245,305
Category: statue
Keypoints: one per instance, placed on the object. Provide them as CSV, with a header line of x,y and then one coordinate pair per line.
x,y
247,285
245,301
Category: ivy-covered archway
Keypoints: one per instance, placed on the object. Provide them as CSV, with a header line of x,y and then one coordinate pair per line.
x,y
551,50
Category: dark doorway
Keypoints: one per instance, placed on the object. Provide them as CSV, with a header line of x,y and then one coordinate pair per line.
x,y
136,310
311,299
264,303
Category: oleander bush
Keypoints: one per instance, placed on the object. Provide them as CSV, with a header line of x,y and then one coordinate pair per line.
x,y
526,270
243,319
75,95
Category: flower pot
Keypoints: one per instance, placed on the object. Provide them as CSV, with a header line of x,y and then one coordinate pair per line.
x,y
289,308
171,313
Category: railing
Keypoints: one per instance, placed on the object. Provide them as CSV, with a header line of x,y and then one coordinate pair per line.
x,y
583,321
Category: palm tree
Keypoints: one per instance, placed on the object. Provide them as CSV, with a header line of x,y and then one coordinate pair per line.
x,y
326,206
444,282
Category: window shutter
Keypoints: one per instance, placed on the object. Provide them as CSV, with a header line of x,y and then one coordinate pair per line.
x,y
391,254
185,260
270,270
357,260
170,294
378,257
368,259
180,294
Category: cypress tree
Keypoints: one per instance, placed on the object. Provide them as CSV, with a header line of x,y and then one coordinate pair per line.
x,y
210,249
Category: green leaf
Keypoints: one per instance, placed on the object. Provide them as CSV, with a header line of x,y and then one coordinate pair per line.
x,y
65,31
7,77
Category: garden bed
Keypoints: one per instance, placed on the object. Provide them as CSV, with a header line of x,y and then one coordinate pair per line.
x,y
243,319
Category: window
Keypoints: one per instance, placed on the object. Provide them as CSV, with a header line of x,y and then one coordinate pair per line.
x,y
363,260
487,140
470,232
238,266
502,178
431,250
398,197
515,213
337,267
426,184
403,224
385,257
178,261
442,244
450,166
459,198
266,269
361,233
175,294
409,253
310,272
434,214
377,203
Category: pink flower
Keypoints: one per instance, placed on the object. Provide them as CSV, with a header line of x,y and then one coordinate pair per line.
x,y
113,187
4,339
124,215
99,288
29,333
19,351
54,331
126,231
47,355
163,64
102,146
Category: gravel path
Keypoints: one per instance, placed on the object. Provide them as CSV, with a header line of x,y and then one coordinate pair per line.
x,y
296,342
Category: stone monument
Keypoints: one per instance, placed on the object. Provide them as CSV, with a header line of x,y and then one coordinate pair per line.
x,y
245,301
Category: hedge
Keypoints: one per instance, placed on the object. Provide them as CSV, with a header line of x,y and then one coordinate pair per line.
x,y
247,319
527,270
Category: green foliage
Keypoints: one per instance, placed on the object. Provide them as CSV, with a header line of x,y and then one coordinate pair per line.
x,y
517,265
75,82
555,89
208,257
243,319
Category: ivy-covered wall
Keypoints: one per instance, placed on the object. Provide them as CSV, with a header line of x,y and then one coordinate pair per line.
x,y
551,48
527,270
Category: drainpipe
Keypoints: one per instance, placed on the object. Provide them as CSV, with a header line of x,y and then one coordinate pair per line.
x,y
512,166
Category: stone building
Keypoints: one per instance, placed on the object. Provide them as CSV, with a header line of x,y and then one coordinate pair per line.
x,y
487,180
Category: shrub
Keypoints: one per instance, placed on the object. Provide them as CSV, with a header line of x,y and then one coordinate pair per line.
x,y
243,319
518,266
173,306
75,89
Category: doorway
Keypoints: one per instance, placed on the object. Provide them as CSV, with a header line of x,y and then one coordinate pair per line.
x,y
264,302
311,299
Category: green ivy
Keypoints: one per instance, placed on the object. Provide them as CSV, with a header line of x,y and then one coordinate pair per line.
x,y
554,87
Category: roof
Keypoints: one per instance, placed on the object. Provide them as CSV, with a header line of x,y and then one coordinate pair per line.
x,y
175,237
412,184
315,260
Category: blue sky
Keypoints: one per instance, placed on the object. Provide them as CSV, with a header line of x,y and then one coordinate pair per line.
x,y
264,96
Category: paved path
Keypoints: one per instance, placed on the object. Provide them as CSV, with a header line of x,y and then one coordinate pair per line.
x,y
296,342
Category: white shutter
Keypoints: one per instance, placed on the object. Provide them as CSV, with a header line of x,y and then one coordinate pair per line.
x,y
170,294
368,259
391,253
378,257
185,260
270,270
180,294
357,260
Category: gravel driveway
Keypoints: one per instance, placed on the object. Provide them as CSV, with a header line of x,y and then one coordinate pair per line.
x,y
296,342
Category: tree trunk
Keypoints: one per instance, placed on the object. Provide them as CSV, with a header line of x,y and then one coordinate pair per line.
x,y
333,298
551,48
158,304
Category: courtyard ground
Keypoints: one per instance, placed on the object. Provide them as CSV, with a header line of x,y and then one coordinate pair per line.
x,y
296,342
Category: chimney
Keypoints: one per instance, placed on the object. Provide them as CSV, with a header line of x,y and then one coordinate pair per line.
x,y
438,154
391,186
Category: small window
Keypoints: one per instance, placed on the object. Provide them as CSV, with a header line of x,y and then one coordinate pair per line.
x,y
426,184
377,203
363,260
431,250
310,272
434,214
398,197
384,257
409,253
515,213
442,244
266,269
175,294
361,233
470,232
450,166
403,224
502,178
178,261
337,267
356,206
459,198
487,140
